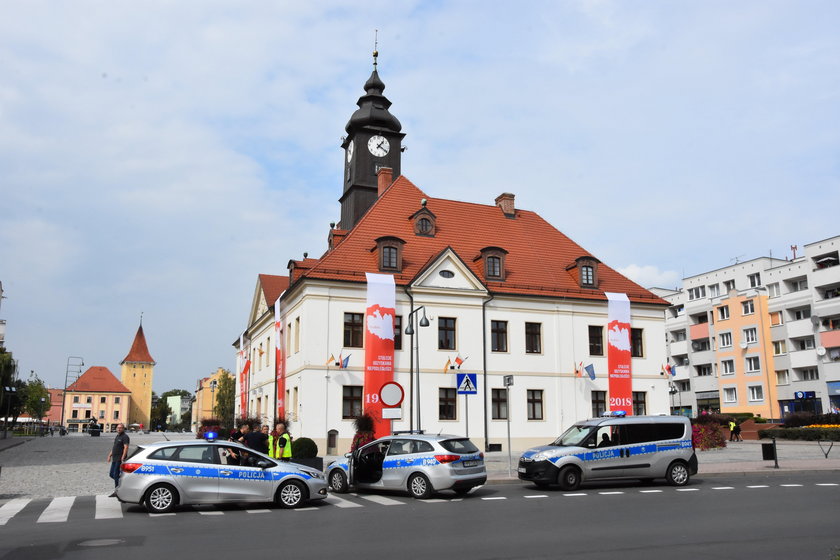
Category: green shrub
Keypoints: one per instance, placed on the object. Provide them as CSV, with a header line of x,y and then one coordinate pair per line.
x,y
718,419
760,420
304,448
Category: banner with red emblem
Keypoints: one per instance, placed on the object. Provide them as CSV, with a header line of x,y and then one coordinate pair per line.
x,y
279,361
379,346
618,353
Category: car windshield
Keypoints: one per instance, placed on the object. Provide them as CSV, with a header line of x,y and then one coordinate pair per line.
x,y
459,446
573,436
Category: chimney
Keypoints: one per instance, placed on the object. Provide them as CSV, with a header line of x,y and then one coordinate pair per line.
x,y
505,202
384,178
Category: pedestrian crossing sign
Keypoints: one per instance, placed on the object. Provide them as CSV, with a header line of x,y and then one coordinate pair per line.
x,y
467,384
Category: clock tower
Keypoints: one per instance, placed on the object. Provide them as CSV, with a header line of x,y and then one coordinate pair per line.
x,y
373,141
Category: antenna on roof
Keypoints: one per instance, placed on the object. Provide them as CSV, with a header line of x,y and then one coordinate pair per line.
x,y
141,318
737,259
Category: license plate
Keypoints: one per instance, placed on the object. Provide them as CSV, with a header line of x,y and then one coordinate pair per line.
x,y
470,463
521,469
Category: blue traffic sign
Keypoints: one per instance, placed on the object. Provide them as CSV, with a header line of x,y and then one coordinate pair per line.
x,y
467,383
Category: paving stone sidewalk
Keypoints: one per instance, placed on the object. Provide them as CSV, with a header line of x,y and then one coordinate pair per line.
x,y
75,465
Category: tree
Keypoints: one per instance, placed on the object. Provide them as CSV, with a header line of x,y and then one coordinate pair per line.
x,y
37,398
176,393
160,414
225,400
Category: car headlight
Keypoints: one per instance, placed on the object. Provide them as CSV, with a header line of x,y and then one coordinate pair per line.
x,y
539,457
313,474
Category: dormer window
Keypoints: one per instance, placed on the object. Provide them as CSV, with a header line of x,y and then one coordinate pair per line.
x,y
389,250
587,268
424,221
494,263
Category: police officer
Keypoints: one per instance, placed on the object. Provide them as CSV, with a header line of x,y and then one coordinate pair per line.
x,y
280,443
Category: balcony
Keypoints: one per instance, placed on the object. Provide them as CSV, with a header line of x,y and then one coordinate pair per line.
x,y
800,328
830,339
702,357
705,383
830,371
826,307
803,358
678,348
699,331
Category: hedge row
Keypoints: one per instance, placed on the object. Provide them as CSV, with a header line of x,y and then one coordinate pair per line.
x,y
808,434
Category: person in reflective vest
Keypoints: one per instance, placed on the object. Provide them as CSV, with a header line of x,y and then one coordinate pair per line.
x,y
280,443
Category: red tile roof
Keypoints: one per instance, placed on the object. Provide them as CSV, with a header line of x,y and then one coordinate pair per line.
x,y
536,263
273,286
98,379
139,352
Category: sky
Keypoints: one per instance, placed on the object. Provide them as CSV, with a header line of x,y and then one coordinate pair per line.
x,y
155,157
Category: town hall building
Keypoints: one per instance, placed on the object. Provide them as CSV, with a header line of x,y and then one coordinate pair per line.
x,y
486,289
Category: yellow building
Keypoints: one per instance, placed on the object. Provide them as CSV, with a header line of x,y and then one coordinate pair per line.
x,y
96,397
137,375
206,393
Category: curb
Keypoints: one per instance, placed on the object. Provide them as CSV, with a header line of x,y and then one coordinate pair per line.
x,y
700,475
13,444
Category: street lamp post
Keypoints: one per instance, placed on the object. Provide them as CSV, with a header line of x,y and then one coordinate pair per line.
x,y
71,364
415,342
213,385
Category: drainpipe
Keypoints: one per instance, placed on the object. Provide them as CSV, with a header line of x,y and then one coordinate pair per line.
x,y
484,364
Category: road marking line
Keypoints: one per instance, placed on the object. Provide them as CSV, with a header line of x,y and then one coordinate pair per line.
x,y
12,508
495,498
688,489
650,491
759,486
160,514
306,509
579,494
723,488
435,501
790,485
341,502
610,493
538,496
457,500
258,510
58,510
827,484
382,500
108,508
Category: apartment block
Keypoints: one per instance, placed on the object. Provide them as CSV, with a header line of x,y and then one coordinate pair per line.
x,y
760,336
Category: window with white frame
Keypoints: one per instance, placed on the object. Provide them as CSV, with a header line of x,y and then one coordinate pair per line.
x,y
725,340
776,319
677,336
727,367
782,377
755,280
806,343
704,370
755,393
802,313
729,285
730,395
748,307
714,290
773,290
696,293
753,364
809,374
750,335
799,285
723,313
779,347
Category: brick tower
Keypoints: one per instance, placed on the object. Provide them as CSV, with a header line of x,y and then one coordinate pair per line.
x,y
137,373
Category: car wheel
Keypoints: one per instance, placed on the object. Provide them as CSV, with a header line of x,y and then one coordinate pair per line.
x,y
291,494
677,474
338,481
569,478
419,486
161,498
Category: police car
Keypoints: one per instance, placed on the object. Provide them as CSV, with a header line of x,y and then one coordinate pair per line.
x,y
419,463
167,474
614,446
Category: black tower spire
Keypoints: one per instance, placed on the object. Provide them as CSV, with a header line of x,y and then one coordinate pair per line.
x,y
373,141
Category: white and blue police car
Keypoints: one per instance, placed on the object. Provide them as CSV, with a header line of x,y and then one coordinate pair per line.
x,y
166,474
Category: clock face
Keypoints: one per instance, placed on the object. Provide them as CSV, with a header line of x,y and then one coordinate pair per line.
x,y
350,147
378,146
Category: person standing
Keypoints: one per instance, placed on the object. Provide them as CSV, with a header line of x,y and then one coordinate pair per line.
x,y
364,432
119,451
257,439
280,443
732,430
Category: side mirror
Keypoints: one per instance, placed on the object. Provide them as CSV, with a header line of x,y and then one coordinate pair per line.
x,y
263,464
348,455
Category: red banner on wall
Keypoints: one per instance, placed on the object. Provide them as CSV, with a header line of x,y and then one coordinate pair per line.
x,y
245,365
379,346
279,362
618,353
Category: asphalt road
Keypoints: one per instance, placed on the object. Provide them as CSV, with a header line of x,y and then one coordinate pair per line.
x,y
753,516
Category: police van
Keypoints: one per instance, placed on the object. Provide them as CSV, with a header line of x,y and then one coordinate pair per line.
x,y
614,446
